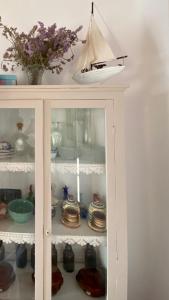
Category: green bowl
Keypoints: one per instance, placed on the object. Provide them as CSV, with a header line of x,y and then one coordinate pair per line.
x,y
20,210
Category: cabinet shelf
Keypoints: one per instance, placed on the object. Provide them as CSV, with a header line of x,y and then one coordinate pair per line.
x,y
24,233
16,167
18,233
23,285
65,167
81,235
85,168
70,288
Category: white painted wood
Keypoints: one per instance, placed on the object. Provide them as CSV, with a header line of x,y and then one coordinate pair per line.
x,y
47,203
39,194
111,203
107,97
38,107
59,92
121,215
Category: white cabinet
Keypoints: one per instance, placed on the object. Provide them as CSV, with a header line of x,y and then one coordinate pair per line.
x,y
73,148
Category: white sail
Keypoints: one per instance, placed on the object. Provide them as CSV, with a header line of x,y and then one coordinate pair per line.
x,y
96,48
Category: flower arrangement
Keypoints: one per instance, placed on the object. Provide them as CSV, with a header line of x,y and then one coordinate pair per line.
x,y
47,47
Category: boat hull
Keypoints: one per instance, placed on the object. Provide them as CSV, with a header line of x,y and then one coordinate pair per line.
x,y
97,75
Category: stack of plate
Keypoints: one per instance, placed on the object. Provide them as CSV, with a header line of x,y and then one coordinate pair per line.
x,y
99,221
70,218
7,153
97,216
6,150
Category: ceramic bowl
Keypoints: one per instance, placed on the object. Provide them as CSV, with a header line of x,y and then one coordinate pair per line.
x,y
20,210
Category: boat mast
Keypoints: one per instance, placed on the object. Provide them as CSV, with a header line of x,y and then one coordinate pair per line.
x,y
92,12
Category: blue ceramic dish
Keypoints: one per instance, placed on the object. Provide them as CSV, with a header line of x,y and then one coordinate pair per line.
x,y
20,210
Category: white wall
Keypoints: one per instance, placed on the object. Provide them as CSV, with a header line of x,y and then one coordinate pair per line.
x,y
141,29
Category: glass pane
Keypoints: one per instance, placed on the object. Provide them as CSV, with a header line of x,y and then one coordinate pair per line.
x,y
17,203
78,202
17,130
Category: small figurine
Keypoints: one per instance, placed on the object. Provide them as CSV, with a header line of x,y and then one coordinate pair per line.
x,y
3,210
83,208
96,198
65,192
31,196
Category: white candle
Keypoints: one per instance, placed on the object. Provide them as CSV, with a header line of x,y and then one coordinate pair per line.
x,y
78,181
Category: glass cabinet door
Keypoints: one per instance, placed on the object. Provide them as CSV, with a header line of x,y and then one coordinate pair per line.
x,y
21,200
77,198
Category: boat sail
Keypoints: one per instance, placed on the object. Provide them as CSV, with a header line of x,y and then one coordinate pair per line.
x,y
96,53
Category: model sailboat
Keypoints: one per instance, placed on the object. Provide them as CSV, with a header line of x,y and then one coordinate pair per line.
x,y
93,63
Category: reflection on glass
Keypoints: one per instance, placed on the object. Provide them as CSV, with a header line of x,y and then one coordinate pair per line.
x,y
20,145
16,273
57,278
78,133
17,137
80,212
17,204
56,139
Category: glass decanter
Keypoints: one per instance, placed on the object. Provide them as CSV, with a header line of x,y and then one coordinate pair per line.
x,y
56,138
20,140
68,258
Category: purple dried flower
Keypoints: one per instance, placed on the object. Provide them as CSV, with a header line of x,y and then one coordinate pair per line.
x,y
45,46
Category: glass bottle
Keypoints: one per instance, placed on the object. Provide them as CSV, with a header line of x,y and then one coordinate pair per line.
x,y
20,140
2,250
33,256
31,196
54,256
90,257
56,138
21,256
68,258
65,192
83,208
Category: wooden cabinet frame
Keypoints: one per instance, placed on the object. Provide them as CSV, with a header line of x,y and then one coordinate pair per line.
x,y
42,98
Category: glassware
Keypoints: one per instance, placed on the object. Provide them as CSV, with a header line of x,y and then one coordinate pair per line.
x,y
2,251
57,279
90,257
65,192
68,258
34,74
33,256
54,256
83,208
56,138
21,256
71,213
97,214
20,140
31,195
